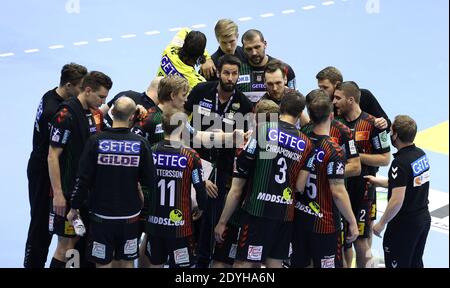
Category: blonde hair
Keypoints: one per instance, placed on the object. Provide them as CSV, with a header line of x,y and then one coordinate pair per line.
x,y
224,28
171,84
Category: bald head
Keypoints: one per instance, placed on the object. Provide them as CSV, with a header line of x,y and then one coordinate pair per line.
x,y
123,109
153,87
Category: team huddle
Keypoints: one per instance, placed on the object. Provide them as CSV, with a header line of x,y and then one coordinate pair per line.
x,y
225,166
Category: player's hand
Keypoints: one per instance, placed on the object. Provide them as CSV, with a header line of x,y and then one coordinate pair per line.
x,y
72,214
372,180
218,232
211,189
353,232
248,134
141,112
378,228
59,205
381,123
196,213
208,69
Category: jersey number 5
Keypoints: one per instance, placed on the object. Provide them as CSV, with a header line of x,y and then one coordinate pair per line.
x,y
311,188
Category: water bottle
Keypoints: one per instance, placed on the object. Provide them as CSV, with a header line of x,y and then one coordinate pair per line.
x,y
78,225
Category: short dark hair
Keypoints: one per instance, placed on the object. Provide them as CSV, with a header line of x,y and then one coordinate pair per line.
x,y
193,46
350,89
95,80
319,105
292,103
228,59
72,73
331,73
274,65
405,127
251,34
169,123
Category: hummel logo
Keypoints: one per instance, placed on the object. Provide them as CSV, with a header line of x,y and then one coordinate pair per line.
x,y
394,172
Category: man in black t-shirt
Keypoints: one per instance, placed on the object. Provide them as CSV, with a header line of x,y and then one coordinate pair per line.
x,y
38,240
147,100
407,216
76,119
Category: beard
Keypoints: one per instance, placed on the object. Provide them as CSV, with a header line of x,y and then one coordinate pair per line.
x,y
256,60
227,87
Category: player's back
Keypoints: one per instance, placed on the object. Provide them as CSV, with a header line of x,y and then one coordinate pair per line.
x,y
177,167
273,161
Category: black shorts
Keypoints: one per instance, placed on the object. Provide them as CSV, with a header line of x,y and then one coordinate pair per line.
x,y
226,251
323,249
404,243
179,251
113,240
60,225
261,238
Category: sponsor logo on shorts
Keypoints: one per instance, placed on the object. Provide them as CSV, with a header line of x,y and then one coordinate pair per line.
x,y
233,250
327,262
181,256
51,222
254,253
98,250
130,247
361,227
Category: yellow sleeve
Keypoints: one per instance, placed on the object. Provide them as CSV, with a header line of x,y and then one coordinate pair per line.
x,y
178,39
